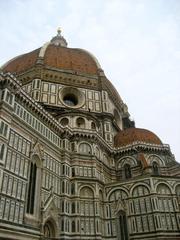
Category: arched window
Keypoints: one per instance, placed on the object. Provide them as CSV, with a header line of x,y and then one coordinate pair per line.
x,y
163,189
84,148
123,230
80,122
64,121
49,231
73,226
32,188
127,171
93,126
155,168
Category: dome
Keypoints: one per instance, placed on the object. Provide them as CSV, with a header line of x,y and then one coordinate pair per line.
x,y
55,55
130,135
55,62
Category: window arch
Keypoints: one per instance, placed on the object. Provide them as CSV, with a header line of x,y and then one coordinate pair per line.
x,y
34,185
140,190
122,226
127,171
163,189
93,125
86,192
80,122
64,121
117,194
155,168
85,148
49,231
32,188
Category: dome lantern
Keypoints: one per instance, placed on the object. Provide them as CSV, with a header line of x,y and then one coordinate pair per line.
x,y
59,40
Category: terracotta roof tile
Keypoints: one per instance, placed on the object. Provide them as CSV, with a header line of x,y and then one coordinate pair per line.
x,y
130,135
22,62
57,57
70,59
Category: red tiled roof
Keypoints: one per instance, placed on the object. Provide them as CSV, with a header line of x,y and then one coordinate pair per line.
x,y
56,57
22,62
70,59
130,135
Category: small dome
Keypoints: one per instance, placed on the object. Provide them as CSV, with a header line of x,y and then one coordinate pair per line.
x,y
130,135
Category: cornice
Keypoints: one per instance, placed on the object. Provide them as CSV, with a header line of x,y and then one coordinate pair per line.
x,y
16,87
141,146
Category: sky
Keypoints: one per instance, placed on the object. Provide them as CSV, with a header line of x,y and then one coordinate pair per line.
x,y
137,43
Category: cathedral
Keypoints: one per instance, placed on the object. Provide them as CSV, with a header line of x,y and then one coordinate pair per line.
x,y
73,165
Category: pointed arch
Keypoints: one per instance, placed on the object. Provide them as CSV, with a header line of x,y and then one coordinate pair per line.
x,y
155,158
126,160
155,168
85,148
122,226
50,228
163,188
73,226
34,184
127,171
140,189
86,192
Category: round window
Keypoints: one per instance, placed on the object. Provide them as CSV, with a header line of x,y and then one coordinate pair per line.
x,y
71,97
64,121
70,100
